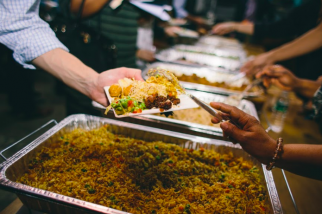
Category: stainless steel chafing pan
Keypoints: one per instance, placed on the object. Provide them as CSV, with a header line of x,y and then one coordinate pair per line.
x,y
197,59
201,72
239,55
51,202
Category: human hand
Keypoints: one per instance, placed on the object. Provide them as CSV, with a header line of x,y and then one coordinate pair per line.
x,y
254,65
198,20
279,76
172,30
145,55
110,77
252,137
224,28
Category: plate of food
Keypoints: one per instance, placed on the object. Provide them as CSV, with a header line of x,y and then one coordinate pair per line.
x,y
158,93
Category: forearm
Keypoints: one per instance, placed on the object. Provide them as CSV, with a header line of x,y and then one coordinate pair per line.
x,y
90,7
306,88
309,42
69,69
244,28
302,159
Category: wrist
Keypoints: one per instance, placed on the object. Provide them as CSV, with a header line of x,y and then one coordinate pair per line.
x,y
271,57
92,85
298,84
271,148
235,26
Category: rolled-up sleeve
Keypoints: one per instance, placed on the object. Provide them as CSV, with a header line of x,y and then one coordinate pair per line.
x,y
23,31
179,7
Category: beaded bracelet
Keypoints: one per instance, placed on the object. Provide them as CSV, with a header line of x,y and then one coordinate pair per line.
x,y
277,155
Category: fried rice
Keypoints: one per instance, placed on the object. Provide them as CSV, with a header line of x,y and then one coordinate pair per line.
x,y
146,177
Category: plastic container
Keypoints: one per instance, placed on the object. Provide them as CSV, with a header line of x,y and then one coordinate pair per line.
x,y
279,112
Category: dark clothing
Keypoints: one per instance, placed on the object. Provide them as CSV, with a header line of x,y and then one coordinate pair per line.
x,y
120,25
299,21
264,11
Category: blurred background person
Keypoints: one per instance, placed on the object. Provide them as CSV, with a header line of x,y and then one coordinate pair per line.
x,y
296,23
119,24
195,11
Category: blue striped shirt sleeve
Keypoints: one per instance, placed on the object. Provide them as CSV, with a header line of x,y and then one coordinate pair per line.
x,y
23,31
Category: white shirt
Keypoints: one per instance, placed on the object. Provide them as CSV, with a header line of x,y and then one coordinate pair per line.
x,y
24,32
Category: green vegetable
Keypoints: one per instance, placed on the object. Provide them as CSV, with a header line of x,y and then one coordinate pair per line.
x,y
124,103
135,103
111,183
84,170
71,149
113,105
157,157
91,191
66,143
87,185
112,198
230,186
119,109
142,106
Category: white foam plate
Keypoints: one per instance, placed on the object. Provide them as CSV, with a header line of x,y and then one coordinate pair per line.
x,y
185,103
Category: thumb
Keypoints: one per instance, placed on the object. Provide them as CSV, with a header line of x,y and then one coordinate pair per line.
x,y
232,131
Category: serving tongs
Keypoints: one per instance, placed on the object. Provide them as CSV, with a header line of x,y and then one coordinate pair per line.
x,y
235,78
173,79
235,99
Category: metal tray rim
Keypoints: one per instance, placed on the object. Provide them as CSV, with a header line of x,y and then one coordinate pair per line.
x,y
21,188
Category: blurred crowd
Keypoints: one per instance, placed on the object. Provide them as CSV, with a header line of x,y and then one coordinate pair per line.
x,y
133,31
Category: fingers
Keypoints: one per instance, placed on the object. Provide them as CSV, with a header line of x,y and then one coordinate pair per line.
x,y
238,116
248,67
235,134
272,71
133,73
215,120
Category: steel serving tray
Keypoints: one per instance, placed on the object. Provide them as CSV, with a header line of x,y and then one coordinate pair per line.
x,y
210,50
199,71
222,42
244,105
197,59
50,202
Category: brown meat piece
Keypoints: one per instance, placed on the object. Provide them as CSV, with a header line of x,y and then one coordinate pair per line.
x,y
165,105
160,99
175,101
149,101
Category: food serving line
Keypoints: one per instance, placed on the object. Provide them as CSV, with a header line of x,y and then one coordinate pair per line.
x,y
200,60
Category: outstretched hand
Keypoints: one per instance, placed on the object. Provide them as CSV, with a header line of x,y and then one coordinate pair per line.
x,y
224,28
279,76
110,77
256,64
252,136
